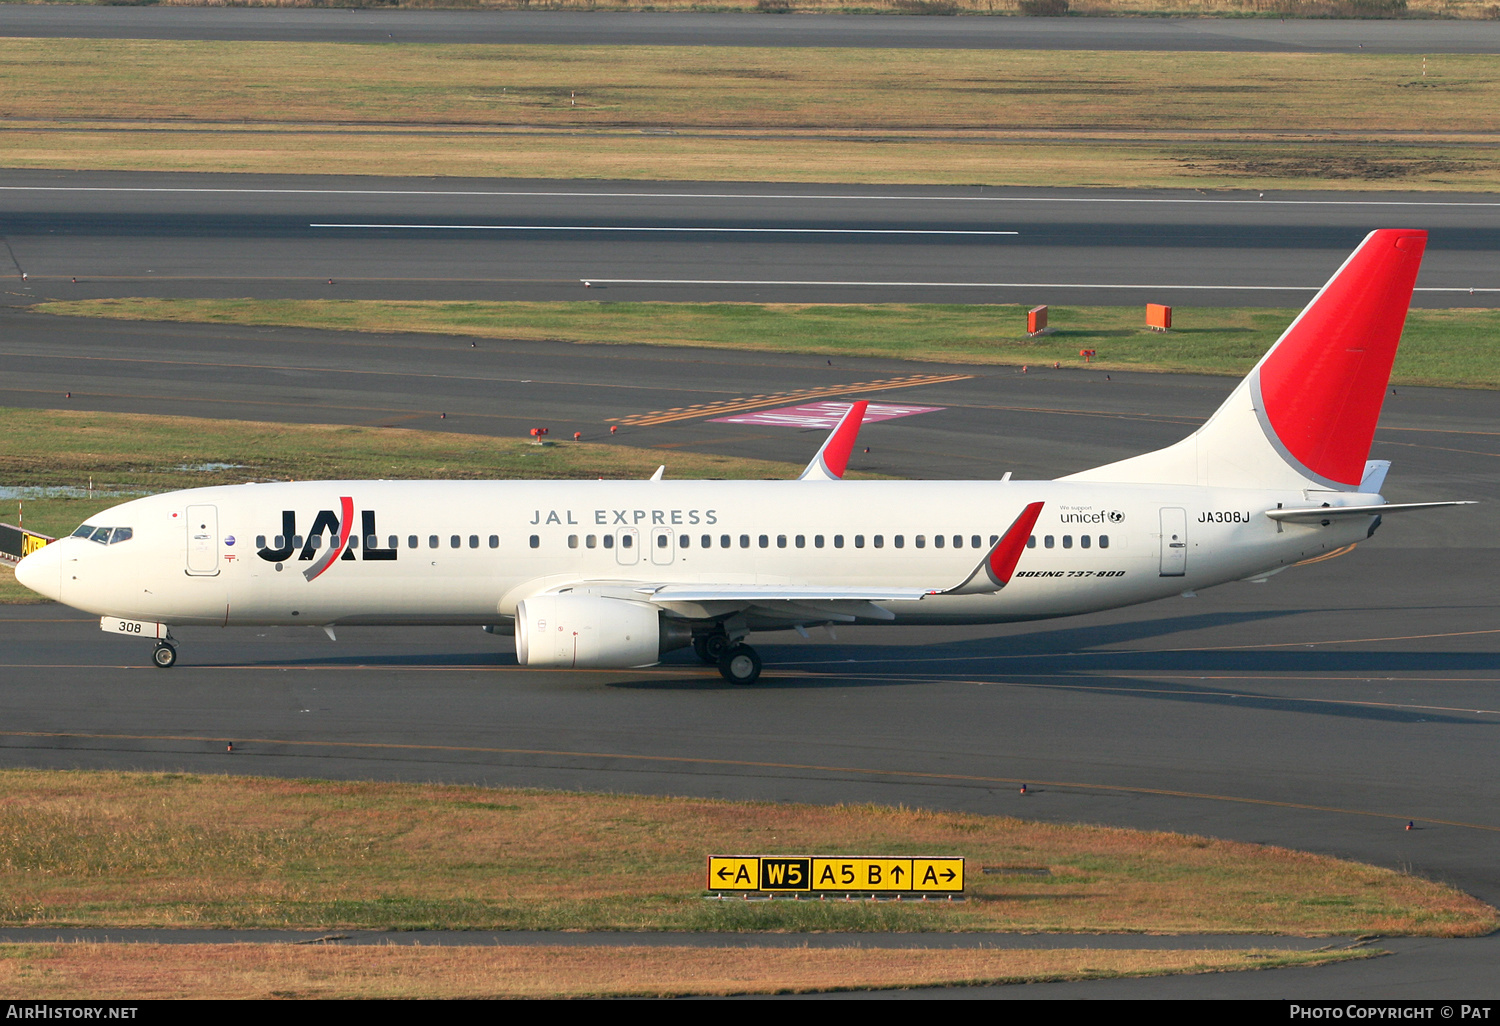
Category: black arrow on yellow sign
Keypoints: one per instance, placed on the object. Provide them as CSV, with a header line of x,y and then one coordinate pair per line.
x,y
739,878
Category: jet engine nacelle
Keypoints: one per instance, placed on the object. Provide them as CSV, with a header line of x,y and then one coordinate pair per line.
x,y
586,631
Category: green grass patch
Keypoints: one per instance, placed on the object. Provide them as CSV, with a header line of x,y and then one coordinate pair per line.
x,y
149,453
128,849
1455,347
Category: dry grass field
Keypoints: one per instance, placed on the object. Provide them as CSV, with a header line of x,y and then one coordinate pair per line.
x,y
1204,120
128,972
132,849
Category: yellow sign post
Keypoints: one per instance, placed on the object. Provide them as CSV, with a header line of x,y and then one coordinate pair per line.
x,y
822,875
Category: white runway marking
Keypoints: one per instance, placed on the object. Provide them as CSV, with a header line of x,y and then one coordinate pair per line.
x,y
641,228
989,285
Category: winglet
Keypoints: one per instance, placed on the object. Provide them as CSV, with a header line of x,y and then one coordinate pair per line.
x,y
833,458
995,569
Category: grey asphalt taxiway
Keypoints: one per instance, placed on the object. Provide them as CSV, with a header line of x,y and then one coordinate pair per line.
x,y
609,28
102,234
1324,710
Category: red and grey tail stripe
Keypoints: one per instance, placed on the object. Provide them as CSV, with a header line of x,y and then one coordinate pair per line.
x,y
1318,392
346,518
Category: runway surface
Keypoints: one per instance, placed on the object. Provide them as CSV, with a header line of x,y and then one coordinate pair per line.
x,y
665,29
1322,710
270,236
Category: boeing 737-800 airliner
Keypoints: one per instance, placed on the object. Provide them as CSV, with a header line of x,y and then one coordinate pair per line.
x,y
612,574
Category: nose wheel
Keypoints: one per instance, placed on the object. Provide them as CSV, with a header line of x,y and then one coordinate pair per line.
x,y
740,665
165,656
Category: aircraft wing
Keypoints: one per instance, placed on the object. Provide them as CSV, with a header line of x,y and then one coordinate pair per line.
x,y
704,600
777,593
786,601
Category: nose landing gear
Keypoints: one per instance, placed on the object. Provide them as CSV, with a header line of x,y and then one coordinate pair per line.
x,y
165,656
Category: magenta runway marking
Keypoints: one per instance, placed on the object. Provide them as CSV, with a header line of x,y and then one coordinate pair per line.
x,y
821,415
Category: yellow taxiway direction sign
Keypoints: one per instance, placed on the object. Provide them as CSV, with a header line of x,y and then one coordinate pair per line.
x,y
784,874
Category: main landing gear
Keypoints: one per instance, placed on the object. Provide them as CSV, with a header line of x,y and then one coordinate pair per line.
x,y
737,662
740,665
711,647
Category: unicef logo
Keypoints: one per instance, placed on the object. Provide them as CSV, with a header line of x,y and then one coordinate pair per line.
x,y
1115,516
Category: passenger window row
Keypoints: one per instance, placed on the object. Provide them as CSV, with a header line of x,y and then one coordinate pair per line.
x,y
455,541
103,536
1084,541
763,541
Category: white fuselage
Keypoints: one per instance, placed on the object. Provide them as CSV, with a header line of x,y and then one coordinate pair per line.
x,y
466,552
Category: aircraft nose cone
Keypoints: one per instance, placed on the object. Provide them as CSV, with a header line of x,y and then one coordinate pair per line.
x,y
42,572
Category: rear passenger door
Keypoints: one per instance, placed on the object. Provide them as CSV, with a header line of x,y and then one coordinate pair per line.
x,y
1173,542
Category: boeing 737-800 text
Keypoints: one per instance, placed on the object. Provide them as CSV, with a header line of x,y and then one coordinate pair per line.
x,y
612,574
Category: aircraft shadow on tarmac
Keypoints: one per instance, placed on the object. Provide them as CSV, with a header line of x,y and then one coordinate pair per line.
x,y
1073,658
1137,687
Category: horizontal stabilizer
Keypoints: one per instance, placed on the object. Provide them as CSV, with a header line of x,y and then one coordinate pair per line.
x,y
1318,514
1374,477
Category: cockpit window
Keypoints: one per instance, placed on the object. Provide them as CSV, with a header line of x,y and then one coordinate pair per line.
x,y
104,535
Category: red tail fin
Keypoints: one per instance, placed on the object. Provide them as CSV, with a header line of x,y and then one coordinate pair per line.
x,y
1322,386
1306,413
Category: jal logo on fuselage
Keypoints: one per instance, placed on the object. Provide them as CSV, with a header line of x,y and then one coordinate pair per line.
x,y
337,525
